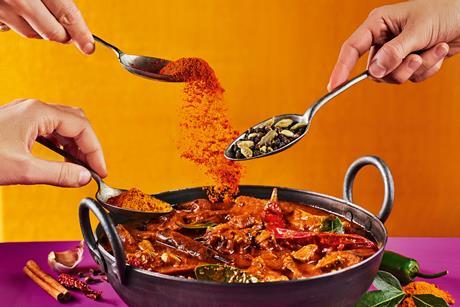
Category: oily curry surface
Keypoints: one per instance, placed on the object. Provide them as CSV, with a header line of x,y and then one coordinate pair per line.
x,y
247,240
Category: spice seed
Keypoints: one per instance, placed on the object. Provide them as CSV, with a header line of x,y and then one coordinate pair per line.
x,y
267,123
248,144
268,138
247,152
284,123
287,133
298,125
252,135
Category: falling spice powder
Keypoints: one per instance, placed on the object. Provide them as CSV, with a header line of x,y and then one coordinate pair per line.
x,y
205,130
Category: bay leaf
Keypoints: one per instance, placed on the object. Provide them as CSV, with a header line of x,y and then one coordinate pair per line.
x,y
429,300
381,298
223,273
386,281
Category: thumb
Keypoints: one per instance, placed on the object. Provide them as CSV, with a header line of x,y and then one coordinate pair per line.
x,y
63,174
391,54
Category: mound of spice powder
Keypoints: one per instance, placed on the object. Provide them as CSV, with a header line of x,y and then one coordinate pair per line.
x,y
135,199
421,287
205,130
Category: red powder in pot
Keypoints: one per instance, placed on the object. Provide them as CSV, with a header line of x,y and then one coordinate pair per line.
x,y
205,130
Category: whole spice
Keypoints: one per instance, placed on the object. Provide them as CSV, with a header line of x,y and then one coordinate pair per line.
x,y
135,199
267,137
71,282
205,129
46,282
421,287
403,268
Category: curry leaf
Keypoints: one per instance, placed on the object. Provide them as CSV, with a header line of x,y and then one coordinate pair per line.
x,y
381,298
385,281
223,273
429,300
332,224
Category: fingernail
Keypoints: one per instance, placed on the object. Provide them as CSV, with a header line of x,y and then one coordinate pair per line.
x,y
329,86
85,177
441,51
414,64
88,48
377,70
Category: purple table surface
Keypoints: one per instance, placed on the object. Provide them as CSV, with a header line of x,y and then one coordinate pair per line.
x,y
16,289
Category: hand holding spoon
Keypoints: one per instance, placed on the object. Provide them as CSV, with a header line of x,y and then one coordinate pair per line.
x,y
256,142
144,66
104,191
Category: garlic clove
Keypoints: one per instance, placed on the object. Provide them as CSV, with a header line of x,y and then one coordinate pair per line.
x,y
66,261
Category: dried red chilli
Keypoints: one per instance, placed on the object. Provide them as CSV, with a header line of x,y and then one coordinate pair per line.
x,y
273,218
348,241
71,282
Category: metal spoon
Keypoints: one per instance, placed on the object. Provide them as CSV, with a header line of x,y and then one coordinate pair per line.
x,y
305,118
144,66
104,191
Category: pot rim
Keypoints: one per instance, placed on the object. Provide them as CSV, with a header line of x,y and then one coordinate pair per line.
x,y
270,283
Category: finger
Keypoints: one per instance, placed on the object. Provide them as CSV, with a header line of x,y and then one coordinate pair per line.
x,y
434,69
12,103
75,110
37,15
17,23
404,71
392,53
68,15
63,174
431,57
78,128
353,48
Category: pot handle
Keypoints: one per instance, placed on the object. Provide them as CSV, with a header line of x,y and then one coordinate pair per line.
x,y
388,184
119,266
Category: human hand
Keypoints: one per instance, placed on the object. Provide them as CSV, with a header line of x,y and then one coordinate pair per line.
x,y
393,34
54,20
23,120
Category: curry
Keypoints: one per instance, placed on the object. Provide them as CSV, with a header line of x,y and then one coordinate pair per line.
x,y
247,240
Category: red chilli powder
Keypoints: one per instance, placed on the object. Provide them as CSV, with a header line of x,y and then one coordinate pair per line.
x,y
205,130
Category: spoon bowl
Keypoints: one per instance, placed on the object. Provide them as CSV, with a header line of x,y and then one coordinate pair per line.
x,y
144,66
230,152
104,191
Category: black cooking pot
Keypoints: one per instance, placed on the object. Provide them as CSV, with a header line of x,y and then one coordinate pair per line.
x,y
139,287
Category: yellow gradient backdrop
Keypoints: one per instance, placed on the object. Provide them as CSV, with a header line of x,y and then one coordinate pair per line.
x,y
272,57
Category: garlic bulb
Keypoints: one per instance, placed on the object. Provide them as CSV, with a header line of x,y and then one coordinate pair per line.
x,y
66,261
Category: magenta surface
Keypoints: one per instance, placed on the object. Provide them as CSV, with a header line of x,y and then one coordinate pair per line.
x,y
16,289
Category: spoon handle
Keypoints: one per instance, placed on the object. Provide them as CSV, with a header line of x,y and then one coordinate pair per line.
x,y
323,100
117,51
50,145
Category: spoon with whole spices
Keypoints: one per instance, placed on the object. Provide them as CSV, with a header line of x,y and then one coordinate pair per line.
x,y
280,132
144,66
105,192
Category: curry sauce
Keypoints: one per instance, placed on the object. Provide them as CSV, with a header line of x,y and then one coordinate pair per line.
x,y
269,240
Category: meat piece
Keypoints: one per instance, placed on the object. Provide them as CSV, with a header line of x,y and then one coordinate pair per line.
x,y
337,260
228,240
129,244
306,253
302,220
290,265
263,272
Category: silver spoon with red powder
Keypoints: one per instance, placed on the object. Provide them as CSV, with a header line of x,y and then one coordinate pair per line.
x,y
144,66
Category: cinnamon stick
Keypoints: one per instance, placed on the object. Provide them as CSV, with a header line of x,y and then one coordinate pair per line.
x,y
46,282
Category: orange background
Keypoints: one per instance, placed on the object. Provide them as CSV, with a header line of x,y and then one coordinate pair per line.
x,y
272,57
